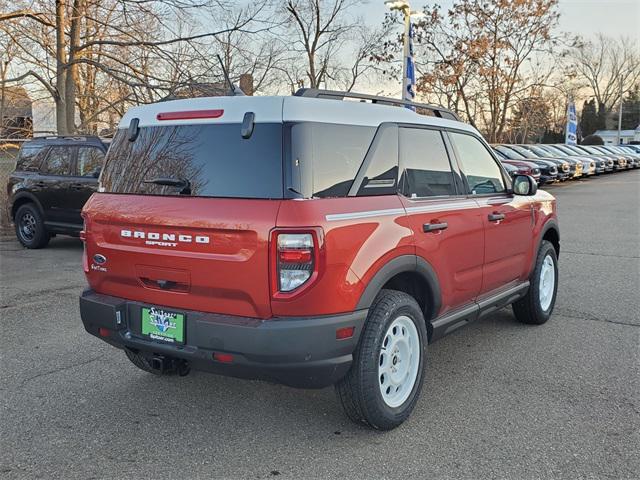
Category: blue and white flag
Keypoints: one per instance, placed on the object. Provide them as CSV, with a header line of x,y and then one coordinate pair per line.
x,y
409,87
571,137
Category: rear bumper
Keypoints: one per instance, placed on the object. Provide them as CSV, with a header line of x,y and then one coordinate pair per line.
x,y
300,352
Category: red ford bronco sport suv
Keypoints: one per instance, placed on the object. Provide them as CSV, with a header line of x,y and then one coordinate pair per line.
x,y
309,240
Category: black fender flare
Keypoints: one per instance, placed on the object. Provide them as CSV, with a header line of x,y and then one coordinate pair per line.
x,y
550,224
401,264
30,197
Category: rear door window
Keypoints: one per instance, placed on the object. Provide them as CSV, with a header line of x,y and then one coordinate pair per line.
x,y
90,160
30,157
424,162
212,159
58,161
480,168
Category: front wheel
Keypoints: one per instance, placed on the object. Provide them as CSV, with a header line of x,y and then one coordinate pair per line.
x,y
536,306
385,379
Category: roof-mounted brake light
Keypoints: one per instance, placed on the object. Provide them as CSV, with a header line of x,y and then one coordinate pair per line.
x,y
190,115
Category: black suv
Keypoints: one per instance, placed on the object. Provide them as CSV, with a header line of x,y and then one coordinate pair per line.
x,y
53,179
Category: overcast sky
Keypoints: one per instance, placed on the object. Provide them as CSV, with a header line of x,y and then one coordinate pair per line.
x,y
584,17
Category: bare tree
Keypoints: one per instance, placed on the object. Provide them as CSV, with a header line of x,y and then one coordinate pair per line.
x,y
605,64
72,48
480,57
330,44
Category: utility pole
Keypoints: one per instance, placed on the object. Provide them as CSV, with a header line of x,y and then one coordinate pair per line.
x,y
620,114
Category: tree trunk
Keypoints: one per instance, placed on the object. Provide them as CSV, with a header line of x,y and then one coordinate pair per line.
x,y
71,76
61,60
3,75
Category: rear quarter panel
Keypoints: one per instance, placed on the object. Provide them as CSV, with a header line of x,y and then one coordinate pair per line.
x,y
354,249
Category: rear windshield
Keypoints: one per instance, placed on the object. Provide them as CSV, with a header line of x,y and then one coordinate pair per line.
x,y
211,160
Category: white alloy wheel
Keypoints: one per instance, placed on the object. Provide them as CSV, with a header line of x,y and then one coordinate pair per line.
x,y
399,361
547,282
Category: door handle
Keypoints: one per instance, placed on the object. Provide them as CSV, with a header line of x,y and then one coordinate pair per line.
x,y
496,217
433,227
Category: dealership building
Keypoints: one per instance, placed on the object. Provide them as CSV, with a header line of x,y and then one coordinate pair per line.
x,y
610,137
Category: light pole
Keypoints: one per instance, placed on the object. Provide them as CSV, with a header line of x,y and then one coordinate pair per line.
x,y
408,67
620,113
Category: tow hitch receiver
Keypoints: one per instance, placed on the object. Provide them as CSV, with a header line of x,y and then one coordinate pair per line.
x,y
169,366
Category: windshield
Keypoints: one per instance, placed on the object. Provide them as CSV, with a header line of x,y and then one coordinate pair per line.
x,y
539,151
211,160
551,150
509,152
590,150
573,150
523,151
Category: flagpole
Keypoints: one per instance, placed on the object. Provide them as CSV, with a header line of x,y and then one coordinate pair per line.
x,y
405,54
408,66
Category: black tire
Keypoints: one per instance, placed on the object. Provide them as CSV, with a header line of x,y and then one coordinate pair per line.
x,y
141,361
30,228
359,391
529,308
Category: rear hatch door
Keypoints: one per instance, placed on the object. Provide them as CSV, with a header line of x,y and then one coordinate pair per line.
x,y
184,216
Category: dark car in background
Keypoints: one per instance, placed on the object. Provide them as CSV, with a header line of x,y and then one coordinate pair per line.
x,y
548,170
633,159
566,168
619,161
577,164
53,179
602,164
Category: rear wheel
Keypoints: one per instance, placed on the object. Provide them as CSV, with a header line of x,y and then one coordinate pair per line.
x,y
385,379
30,228
536,307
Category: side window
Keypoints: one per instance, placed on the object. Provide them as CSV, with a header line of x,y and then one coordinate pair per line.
x,y
381,175
90,160
426,170
59,161
337,152
30,157
482,171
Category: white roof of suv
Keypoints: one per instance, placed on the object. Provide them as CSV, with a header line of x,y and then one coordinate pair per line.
x,y
278,109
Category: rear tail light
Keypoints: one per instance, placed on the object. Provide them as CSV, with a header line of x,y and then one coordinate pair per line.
x,y
295,260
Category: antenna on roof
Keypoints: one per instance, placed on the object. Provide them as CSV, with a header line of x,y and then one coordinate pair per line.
x,y
235,91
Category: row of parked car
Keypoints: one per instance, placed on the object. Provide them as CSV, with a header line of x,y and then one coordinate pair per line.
x,y
558,163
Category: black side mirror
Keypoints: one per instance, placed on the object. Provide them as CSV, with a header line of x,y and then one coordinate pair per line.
x,y
524,185
96,172
134,129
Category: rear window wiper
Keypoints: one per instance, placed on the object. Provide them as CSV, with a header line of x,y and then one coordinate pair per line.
x,y
183,184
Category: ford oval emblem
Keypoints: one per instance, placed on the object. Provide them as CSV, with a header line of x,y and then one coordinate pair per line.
x,y
99,259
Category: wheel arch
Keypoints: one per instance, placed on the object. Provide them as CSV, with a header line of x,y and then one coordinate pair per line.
x,y
22,198
411,274
550,232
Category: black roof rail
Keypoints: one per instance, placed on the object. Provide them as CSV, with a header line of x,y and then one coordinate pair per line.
x,y
421,108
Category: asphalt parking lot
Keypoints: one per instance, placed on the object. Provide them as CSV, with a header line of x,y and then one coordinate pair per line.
x,y
501,399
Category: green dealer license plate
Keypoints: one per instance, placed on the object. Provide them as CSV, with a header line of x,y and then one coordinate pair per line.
x,y
162,325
